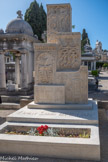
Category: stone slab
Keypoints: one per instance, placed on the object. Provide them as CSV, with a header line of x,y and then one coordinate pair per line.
x,y
49,94
56,115
32,105
60,147
9,106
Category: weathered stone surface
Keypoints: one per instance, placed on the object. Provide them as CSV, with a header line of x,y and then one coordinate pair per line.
x,y
59,18
76,85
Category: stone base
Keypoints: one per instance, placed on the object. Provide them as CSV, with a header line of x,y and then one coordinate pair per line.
x,y
59,147
50,94
81,116
9,106
88,106
2,91
21,92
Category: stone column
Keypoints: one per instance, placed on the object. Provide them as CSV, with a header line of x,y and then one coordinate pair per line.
x,y
24,73
17,70
91,65
94,65
2,72
30,66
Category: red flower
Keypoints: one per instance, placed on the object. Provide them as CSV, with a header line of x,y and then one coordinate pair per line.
x,y
46,127
42,128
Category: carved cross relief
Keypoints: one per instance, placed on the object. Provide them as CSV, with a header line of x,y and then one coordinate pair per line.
x,y
45,68
68,55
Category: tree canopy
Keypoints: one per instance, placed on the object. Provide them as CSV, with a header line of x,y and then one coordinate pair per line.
x,y
36,16
84,40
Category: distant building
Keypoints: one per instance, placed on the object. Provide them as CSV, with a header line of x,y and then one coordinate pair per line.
x,y
18,39
100,52
89,58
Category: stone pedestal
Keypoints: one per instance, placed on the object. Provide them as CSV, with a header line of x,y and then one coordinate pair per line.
x,y
2,72
24,73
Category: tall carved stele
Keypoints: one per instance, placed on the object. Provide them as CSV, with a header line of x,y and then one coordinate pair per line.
x,y
59,76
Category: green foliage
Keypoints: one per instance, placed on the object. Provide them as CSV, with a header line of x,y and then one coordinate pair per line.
x,y
99,64
13,56
36,16
95,73
84,135
84,40
73,26
105,65
105,50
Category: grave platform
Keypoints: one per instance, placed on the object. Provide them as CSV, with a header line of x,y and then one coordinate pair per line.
x,y
70,116
70,148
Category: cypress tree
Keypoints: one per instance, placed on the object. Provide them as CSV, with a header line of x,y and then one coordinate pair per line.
x,y
43,19
84,40
35,15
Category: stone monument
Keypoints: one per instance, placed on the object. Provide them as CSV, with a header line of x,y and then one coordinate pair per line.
x,y
60,78
18,39
60,96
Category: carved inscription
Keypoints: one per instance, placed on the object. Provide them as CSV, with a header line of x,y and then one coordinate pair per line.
x,y
45,68
70,114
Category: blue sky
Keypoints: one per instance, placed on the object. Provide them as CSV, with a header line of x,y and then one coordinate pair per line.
x,y
89,14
